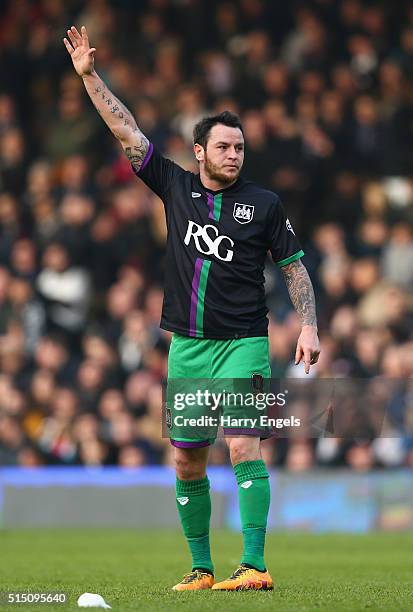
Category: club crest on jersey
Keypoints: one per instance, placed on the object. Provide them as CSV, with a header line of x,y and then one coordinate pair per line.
x,y
243,213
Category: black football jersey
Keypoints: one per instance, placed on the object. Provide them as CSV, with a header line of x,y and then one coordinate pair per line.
x,y
216,249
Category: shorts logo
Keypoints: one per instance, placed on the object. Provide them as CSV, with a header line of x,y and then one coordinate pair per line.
x,y
195,194
246,484
257,383
208,242
168,418
183,500
243,213
289,226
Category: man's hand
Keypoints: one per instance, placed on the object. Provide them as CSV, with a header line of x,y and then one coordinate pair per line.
x,y
83,57
308,347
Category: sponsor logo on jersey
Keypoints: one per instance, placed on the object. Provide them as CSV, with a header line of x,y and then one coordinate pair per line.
x,y
246,484
289,226
196,195
243,213
208,241
184,500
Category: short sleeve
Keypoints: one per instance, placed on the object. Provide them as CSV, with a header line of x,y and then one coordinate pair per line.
x,y
284,245
158,172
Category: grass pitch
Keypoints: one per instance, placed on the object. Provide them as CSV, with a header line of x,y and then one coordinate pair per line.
x,y
134,570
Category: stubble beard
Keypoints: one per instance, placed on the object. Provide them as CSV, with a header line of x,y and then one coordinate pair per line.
x,y
215,173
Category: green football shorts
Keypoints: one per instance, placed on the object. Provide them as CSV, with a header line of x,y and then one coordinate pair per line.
x,y
219,366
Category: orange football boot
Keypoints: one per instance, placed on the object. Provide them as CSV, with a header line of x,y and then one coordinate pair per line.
x,y
195,581
246,578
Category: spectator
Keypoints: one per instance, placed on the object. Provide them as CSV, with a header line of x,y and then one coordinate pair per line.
x,y
65,290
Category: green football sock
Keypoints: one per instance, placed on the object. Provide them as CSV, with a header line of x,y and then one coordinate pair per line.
x,y
254,503
194,507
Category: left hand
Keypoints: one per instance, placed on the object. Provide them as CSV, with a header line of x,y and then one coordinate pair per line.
x,y
308,347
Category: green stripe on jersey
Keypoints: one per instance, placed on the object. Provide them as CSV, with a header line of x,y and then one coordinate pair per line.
x,y
201,298
217,206
288,260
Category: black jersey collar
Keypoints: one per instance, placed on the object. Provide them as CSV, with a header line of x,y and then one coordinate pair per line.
x,y
234,187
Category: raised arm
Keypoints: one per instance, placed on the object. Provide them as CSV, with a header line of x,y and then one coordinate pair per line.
x,y
115,114
301,293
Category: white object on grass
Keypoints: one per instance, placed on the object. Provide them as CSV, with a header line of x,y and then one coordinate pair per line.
x,y
92,600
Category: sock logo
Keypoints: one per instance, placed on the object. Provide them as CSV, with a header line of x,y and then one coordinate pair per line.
x,y
184,500
246,484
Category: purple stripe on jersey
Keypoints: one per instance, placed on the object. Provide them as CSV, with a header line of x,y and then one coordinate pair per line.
x,y
210,200
181,444
194,297
147,157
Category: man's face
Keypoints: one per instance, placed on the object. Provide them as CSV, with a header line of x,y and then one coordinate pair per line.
x,y
223,156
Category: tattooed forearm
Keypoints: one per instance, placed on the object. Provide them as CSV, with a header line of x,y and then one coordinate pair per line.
x,y
118,118
301,291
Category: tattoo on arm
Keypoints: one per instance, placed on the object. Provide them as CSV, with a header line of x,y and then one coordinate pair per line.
x,y
121,122
301,291
137,153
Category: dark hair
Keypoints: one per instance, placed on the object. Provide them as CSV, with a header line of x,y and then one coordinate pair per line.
x,y
203,127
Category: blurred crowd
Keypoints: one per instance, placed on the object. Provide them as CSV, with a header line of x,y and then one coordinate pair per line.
x,y
325,93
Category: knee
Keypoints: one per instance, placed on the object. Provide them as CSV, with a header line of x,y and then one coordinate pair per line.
x,y
188,466
243,450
